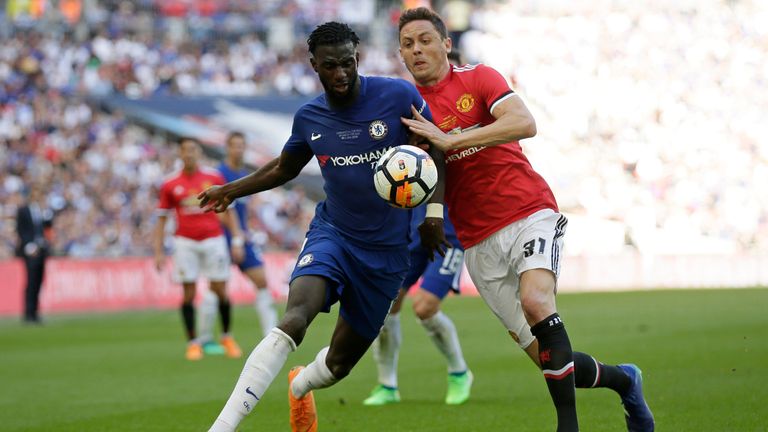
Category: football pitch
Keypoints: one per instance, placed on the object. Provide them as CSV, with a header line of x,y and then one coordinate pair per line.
x,y
704,355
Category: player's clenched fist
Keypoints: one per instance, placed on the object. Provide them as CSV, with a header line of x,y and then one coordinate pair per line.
x,y
214,198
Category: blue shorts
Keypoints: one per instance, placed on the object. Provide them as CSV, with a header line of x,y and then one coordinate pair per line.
x,y
365,282
252,256
441,275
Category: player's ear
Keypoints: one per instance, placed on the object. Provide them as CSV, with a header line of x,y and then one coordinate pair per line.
x,y
448,44
313,63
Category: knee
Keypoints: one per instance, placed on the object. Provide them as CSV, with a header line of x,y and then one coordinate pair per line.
x,y
295,325
425,305
338,367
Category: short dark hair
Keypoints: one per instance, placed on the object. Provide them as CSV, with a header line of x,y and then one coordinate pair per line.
x,y
331,33
426,14
182,139
235,134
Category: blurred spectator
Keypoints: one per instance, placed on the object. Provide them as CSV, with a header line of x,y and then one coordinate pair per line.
x,y
33,227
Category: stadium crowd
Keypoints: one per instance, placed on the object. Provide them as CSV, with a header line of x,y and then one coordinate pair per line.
x,y
649,117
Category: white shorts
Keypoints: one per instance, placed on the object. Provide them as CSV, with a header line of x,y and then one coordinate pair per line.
x,y
496,263
195,258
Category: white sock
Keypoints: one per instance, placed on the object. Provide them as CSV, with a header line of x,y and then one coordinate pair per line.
x,y
315,376
207,313
265,308
260,369
386,350
443,333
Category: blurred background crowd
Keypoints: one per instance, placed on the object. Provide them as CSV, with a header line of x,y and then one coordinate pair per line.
x,y
652,118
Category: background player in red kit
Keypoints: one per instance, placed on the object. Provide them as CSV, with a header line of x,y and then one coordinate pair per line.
x,y
200,248
505,214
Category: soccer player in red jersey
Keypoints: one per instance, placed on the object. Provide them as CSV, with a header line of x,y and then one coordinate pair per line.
x,y
505,214
199,244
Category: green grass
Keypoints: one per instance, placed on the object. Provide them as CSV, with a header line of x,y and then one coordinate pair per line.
x,y
703,353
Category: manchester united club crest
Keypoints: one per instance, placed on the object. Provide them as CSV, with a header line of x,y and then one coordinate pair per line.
x,y
377,129
465,103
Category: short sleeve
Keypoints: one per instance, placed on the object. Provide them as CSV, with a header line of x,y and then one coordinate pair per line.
x,y
491,86
416,100
165,201
296,142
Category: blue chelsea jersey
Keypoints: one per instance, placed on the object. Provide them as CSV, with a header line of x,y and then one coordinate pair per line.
x,y
241,204
347,144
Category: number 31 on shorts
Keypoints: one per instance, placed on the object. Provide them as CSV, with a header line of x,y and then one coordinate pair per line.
x,y
534,246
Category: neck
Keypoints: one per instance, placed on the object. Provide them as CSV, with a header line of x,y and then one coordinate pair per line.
x,y
443,72
189,169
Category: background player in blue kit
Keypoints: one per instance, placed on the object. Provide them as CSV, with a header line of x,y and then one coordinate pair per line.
x,y
439,278
356,250
250,262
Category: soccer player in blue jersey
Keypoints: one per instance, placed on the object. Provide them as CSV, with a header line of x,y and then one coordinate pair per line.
x,y
356,249
249,259
438,278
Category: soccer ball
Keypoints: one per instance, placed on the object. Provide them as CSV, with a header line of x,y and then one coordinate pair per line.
x,y
405,176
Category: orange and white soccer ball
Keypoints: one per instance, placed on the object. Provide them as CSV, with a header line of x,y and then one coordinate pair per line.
x,y
405,176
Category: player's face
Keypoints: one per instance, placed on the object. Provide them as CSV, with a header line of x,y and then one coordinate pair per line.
x,y
336,66
236,148
424,52
189,152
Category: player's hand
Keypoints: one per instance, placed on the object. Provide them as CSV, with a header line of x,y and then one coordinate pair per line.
x,y
418,141
433,237
159,262
425,128
214,199
238,253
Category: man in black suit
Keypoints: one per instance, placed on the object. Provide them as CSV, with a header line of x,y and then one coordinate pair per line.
x,y
32,222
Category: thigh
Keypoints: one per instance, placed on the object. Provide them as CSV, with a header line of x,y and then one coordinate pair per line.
x,y
322,256
442,276
186,260
499,287
373,282
215,259
252,258
538,243
419,263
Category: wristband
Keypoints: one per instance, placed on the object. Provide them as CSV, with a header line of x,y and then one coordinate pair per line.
x,y
238,242
434,210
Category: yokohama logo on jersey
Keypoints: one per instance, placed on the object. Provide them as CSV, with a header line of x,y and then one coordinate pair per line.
x,y
341,161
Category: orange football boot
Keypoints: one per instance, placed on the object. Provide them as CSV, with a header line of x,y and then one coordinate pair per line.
x,y
303,411
194,351
231,348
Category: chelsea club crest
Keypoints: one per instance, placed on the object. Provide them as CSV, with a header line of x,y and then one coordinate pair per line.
x,y
377,129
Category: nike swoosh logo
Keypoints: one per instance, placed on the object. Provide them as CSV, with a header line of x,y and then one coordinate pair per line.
x,y
315,136
248,390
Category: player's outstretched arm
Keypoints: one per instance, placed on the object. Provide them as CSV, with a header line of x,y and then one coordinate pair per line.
x,y
513,123
275,173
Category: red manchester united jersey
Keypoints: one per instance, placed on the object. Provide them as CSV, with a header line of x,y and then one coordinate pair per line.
x,y
487,188
179,192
